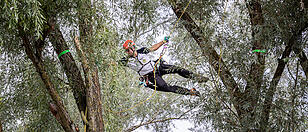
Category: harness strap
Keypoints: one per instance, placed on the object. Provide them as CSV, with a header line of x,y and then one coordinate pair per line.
x,y
144,80
143,66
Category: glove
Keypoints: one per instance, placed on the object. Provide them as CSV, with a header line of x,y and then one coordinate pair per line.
x,y
166,39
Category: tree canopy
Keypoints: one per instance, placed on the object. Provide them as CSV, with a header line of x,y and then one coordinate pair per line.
x,y
86,88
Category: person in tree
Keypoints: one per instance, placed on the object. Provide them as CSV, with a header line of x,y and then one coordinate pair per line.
x,y
139,61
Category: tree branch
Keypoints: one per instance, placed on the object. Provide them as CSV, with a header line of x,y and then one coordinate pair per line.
x,y
302,56
293,97
279,70
156,121
1,130
153,120
70,68
304,62
209,51
162,23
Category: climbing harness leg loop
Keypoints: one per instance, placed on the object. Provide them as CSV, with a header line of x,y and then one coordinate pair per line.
x,y
144,80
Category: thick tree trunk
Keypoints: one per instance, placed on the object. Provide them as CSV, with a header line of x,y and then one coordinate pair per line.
x,y
93,92
34,53
94,105
71,70
255,78
209,51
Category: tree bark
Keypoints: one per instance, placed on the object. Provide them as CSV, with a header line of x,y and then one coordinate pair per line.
x,y
34,53
94,106
270,93
255,78
93,92
71,70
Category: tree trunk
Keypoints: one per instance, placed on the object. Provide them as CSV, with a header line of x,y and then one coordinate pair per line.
x,y
270,93
93,92
94,104
255,78
34,53
71,70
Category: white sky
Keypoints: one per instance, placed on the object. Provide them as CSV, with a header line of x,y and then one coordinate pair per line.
x,y
180,126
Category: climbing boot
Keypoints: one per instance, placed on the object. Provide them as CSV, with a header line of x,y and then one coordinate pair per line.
x,y
194,92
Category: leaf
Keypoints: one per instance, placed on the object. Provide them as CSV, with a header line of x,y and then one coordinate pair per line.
x,y
286,60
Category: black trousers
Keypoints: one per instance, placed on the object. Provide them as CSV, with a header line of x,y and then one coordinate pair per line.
x,y
161,83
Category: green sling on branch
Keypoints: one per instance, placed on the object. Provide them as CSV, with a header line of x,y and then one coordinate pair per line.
x,y
63,52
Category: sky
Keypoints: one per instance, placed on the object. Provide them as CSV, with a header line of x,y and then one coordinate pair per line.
x,y
179,126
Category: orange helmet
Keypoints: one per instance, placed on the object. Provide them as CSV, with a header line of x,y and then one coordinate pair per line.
x,y
129,44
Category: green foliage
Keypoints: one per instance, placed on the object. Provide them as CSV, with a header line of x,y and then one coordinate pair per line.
x,y
27,14
25,99
226,26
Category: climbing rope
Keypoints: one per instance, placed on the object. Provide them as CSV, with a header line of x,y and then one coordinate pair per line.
x,y
180,17
161,55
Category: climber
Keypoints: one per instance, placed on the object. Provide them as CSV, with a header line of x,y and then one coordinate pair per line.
x,y
139,61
